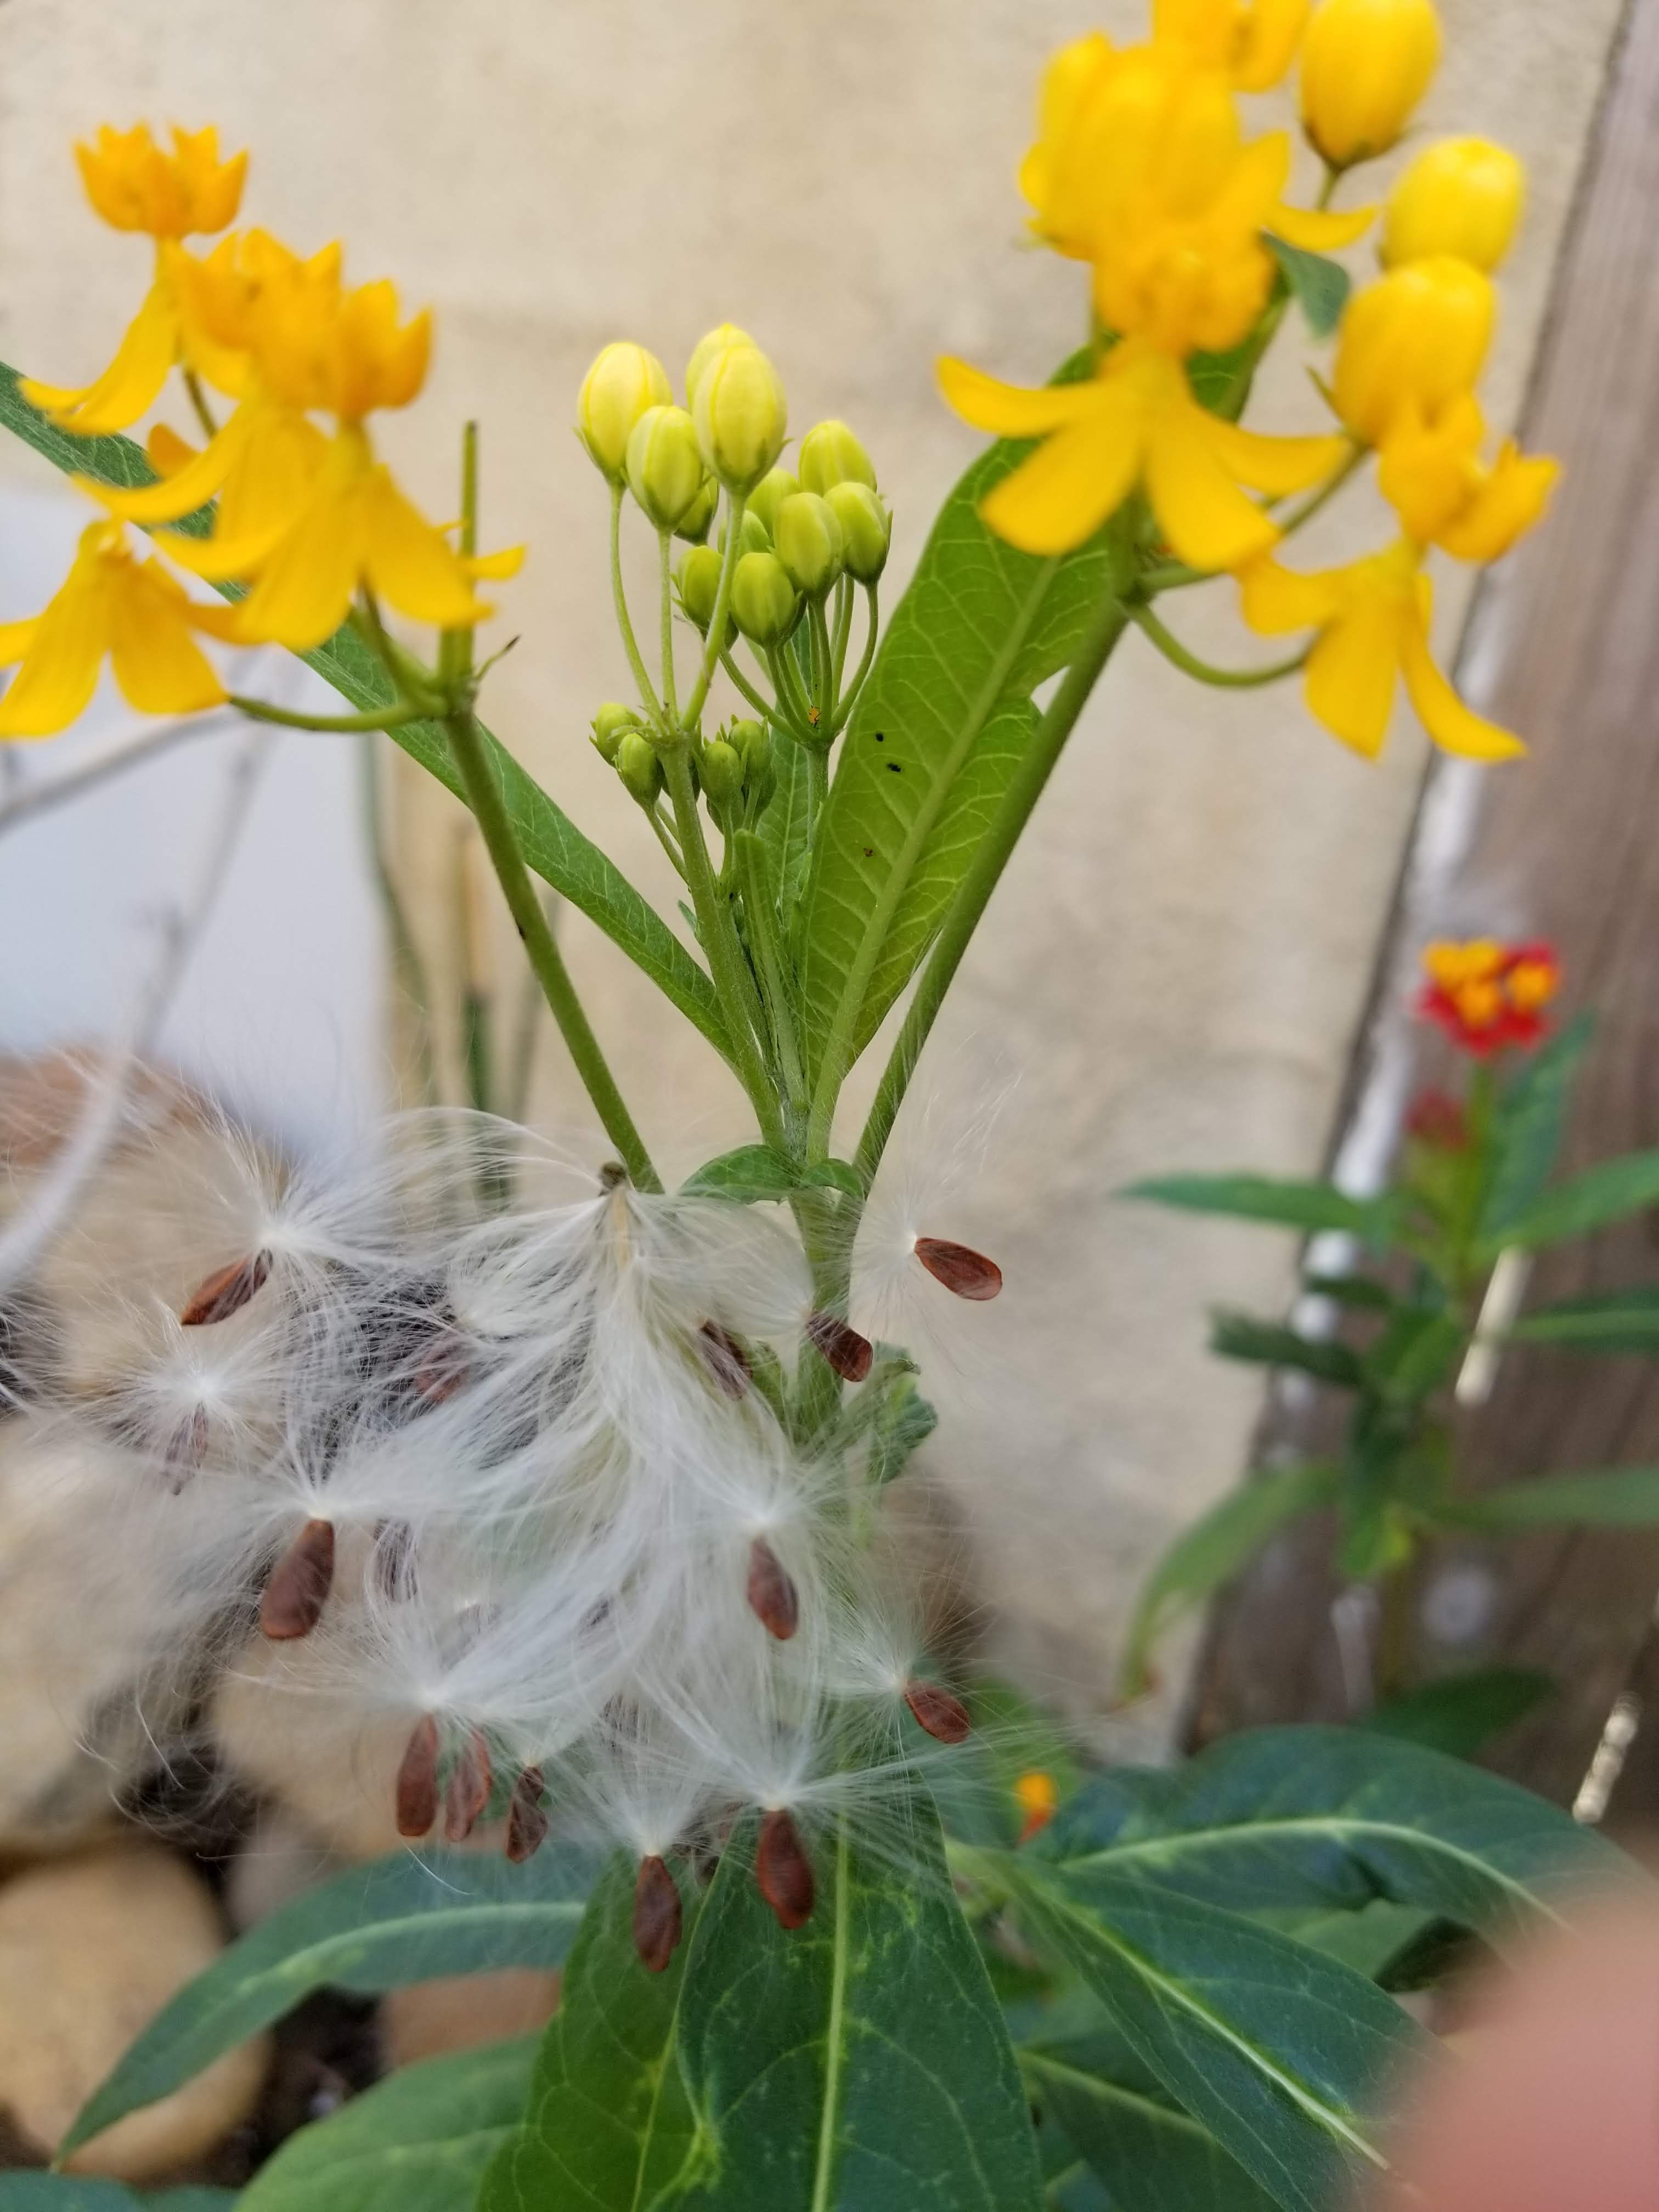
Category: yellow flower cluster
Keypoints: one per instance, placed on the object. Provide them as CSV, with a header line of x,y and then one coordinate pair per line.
x,y
307,517
1142,168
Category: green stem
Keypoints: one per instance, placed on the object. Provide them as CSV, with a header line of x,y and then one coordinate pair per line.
x,y
648,698
844,631
665,838
483,796
726,964
406,960
1327,490
711,650
973,895
849,697
823,696
762,917
372,718
765,708
1172,576
198,401
665,539
786,682
1232,680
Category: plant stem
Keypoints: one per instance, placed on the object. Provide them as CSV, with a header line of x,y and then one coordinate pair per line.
x,y
844,631
849,697
823,696
762,918
1232,679
648,698
664,538
483,796
786,683
984,872
372,718
735,985
711,651
405,953
198,401
1329,490
765,708
665,839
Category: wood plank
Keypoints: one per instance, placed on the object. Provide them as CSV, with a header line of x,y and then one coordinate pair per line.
x,y
1564,643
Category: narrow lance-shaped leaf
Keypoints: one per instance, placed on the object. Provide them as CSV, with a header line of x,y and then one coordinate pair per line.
x,y
1606,1497
1610,1191
551,843
938,727
1528,1126
859,2064
1282,2053
418,2141
1288,1203
403,1919
1606,1322
1273,1344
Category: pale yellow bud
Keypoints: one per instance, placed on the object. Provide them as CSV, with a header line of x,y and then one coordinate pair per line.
x,y
831,454
710,343
622,383
664,465
741,416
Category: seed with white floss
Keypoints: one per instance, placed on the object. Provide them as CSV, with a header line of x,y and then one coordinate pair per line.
x,y
960,1270
291,1603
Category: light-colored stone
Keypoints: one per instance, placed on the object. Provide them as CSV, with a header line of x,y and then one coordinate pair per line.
x,y
465,2010
90,1953
1176,961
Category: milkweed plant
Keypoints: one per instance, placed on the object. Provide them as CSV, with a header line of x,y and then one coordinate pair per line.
x,y
579,1485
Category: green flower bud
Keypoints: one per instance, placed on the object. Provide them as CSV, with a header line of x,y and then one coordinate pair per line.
x,y
639,768
693,524
721,768
867,528
700,584
610,725
747,735
809,542
710,343
831,454
768,495
664,468
753,535
741,416
624,380
763,600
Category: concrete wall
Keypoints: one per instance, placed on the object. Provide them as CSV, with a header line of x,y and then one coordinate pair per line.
x,y
1172,969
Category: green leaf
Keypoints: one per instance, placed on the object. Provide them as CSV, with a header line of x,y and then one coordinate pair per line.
x,y
418,2141
1291,1205
403,1919
1357,1290
1461,1713
1319,284
861,2064
1275,2049
551,843
904,1421
1528,1127
1608,1498
941,721
1271,1343
751,1172
1212,1551
607,2126
1371,1941
1152,2156
1334,1817
1608,1321
1608,1192
1414,1352
33,2192
786,830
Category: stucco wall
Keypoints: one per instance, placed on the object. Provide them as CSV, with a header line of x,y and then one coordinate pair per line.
x,y
1170,973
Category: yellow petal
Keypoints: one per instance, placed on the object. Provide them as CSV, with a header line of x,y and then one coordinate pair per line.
x,y
1455,727
157,663
1060,497
16,639
494,568
59,672
1272,465
181,494
1273,599
167,451
129,386
304,587
1208,521
1507,506
409,565
281,459
1010,410
1352,670
1318,230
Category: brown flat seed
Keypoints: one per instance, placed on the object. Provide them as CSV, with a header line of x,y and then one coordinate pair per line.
x,y
418,1780
226,1292
847,1352
527,1823
783,1873
937,1711
467,1792
657,1918
969,1273
291,1603
728,1362
771,1591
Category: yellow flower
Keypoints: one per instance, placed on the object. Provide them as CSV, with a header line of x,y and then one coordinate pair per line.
x,y
110,605
1411,344
1135,421
1432,475
1462,197
624,381
1253,42
134,185
305,518
1136,136
1372,617
1365,65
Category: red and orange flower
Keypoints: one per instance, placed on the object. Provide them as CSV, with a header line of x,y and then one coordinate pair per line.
x,y
1485,994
